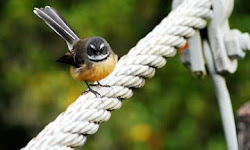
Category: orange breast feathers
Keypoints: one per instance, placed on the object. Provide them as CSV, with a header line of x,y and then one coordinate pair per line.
x,y
96,71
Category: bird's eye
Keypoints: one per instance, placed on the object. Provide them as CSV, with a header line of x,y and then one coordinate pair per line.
x,y
102,49
92,47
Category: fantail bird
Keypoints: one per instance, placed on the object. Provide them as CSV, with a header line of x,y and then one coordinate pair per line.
x,y
91,59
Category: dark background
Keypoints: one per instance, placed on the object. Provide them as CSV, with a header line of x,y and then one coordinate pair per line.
x,y
172,111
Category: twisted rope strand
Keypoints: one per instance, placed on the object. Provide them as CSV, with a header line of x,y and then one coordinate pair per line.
x,y
81,118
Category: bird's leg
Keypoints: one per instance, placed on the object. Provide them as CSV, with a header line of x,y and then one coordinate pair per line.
x,y
102,85
91,90
99,84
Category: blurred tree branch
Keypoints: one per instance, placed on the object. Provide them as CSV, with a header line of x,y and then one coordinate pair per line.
x,y
243,123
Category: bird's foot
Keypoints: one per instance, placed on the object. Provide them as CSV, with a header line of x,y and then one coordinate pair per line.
x,y
99,84
91,90
94,92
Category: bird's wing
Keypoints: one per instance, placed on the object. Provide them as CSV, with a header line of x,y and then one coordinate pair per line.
x,y
69,59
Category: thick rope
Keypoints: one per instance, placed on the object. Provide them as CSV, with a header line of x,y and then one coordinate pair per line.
x,y
81,118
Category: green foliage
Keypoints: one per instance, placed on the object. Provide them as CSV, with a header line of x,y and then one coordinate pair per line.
x,y
172,111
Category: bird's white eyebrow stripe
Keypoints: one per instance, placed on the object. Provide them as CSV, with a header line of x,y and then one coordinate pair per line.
x,y
102,45
92,46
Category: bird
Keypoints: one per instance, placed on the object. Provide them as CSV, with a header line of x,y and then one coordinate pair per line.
x,y
90,59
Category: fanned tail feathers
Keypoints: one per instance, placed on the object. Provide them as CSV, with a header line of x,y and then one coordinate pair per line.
x,y
56,22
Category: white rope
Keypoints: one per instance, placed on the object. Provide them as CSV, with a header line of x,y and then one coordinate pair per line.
x,y
81,118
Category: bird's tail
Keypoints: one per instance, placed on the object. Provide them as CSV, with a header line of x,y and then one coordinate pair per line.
x,y
56,22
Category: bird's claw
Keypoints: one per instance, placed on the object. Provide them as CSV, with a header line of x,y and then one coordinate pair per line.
x,y
99,84
95,92
91,90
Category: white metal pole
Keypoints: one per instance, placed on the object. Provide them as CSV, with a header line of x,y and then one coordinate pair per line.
x,y
223,100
